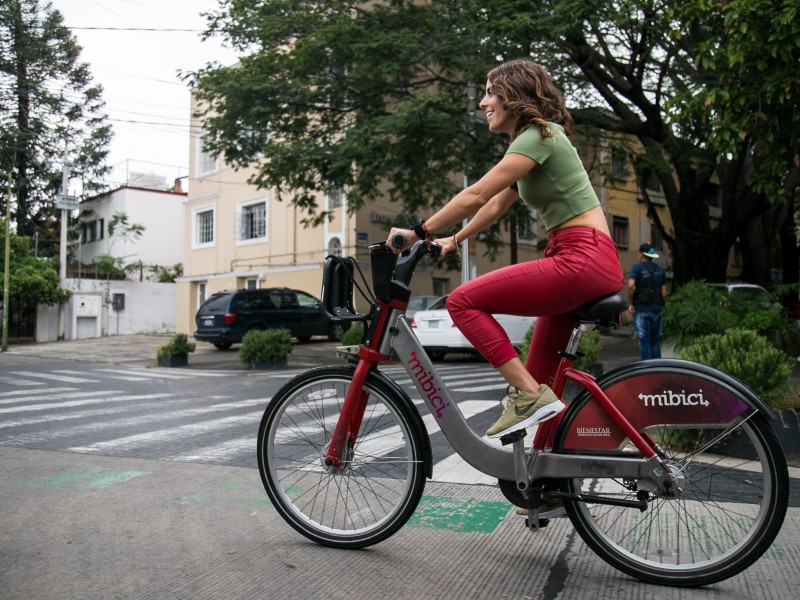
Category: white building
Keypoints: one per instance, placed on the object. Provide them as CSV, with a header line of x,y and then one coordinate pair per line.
x,y
159,211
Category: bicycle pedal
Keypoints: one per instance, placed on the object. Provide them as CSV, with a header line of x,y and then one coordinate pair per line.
x,y
542,523
512,437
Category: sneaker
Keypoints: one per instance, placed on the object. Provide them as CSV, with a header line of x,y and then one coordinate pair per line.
x,y
546,511
525,409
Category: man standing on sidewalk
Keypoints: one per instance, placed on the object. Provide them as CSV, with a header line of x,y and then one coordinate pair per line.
x,y
647,289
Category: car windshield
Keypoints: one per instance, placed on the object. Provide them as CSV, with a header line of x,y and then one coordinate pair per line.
x,y
439,304
216,302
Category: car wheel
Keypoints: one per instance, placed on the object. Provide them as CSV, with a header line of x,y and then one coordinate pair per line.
x,y
436,355
303,339
223,345
336,331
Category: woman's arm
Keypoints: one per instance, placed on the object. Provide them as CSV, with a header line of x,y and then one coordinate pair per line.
x,y
471,200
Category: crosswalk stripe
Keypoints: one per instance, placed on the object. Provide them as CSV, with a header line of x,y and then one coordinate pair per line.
x,y
48,376
96,425
33,400
142,439
23,392
219,453
117,374
19,382
74,403
172,374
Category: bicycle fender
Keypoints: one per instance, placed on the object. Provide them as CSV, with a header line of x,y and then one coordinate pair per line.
x,y
654,393
754,400
415,418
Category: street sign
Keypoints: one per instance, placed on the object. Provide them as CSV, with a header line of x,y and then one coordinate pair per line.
x,y
64,202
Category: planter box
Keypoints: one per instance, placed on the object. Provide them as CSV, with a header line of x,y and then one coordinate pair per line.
x,y
174,360
270,363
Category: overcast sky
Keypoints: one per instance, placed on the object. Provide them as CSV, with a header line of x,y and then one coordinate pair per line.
x,y
147,105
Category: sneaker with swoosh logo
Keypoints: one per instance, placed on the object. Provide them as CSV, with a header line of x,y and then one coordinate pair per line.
x,y
525,409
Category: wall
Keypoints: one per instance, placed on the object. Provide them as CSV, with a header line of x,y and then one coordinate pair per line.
x,y
149,307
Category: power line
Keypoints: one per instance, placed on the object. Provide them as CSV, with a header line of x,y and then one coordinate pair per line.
x,y
155,29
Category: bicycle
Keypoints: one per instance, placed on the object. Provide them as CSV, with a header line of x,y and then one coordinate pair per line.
x,y
667,469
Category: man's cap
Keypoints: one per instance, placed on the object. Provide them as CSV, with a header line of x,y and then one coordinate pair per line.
x,y
648,250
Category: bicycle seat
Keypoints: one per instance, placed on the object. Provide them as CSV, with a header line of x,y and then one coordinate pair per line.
x,y
603,311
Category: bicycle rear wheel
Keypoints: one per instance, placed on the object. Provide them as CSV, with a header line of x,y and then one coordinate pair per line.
x,y
734,494
375,493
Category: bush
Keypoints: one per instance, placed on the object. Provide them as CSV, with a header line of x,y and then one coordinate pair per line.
x,y
258,345
179,344
696,310
749,357
353,336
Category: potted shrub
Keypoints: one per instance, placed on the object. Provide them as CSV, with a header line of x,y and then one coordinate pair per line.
x,y
266,349
175,353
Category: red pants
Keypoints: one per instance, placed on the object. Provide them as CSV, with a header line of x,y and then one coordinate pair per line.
x,y
579,265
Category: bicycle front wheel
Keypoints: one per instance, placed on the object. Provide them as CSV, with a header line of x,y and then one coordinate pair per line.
x,y
734,490
374,493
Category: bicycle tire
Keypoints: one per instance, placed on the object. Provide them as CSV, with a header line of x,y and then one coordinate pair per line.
x,y
376,493
735,490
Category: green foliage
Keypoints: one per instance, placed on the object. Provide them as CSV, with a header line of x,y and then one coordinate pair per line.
x,y
47,99
695,310
361,94
30,278
178,344
589,346
750,358
265,344
368,96
353,336
110,266
167,274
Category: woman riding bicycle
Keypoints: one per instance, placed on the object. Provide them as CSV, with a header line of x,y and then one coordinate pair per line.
x,y
580,262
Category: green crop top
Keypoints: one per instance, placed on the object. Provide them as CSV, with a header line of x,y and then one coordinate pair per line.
x,y
558,187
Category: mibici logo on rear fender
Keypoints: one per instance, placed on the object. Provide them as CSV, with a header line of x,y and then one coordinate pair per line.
x,y
652,400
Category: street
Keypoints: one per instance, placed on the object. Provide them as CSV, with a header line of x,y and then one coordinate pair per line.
x,y
124,481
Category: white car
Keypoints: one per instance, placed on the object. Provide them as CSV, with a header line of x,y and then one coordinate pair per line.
x,y
437,334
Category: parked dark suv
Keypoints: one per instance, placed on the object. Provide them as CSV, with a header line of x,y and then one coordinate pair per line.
x,y
225,317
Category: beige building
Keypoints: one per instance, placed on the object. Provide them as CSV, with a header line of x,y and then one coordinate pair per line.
x,y
237,236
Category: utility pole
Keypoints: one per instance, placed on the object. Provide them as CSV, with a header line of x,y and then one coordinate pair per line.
x,y
465,270
64,202
6,271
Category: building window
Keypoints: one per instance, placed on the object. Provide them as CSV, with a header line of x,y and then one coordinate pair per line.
x,y
620,230
619,164
334,247
92,231
526,227
206,161
335,198
252,221
203,234
251,283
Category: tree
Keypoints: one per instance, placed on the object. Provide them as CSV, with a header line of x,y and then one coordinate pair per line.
x,y
49,109
31,279
362,94
354,95
708,87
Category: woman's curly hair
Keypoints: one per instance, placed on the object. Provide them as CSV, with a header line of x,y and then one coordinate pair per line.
x,y
528,92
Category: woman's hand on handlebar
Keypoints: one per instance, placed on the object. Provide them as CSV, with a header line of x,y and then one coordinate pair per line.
x,y
409,234
448,245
